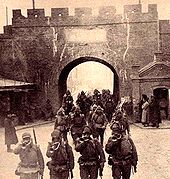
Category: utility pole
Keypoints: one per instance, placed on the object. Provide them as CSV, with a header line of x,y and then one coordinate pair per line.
x,y
33,4
6,15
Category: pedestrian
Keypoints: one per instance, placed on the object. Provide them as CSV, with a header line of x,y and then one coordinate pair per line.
x,y
122,154
62,158
31,165
154,112
92,156
10,131
99,122
145,111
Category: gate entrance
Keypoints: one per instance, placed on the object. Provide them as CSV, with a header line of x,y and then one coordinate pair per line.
x,y
62,85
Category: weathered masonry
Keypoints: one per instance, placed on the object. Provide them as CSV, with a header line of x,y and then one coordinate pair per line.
x,y
43,50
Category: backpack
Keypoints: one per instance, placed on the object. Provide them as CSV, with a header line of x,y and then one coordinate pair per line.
x,y
125,146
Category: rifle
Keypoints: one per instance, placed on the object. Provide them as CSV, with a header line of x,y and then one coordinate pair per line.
x,y
100,172
35,139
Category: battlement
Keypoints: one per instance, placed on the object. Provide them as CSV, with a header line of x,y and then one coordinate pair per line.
x,y
84,16
164,26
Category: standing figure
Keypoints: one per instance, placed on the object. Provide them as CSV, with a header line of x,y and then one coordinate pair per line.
x,y
154,112
99,122
90,122
145,111
61,123
61,154
32,161
122,154
81,102
122,121
97,98
92,156
78,122
10,132
67,102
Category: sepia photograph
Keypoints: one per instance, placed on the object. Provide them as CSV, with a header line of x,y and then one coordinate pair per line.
x,y
84,89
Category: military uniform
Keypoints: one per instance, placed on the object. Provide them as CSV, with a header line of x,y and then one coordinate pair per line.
x,y
61,123
99,122
92,155
67,102
32,162
123,155
121,121
77,124
61,154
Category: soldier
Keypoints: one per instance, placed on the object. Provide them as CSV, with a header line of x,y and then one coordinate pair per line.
x,y
123,154
67,102
81,102
90,122
97,98
77,123
61,154
99,122
61,123
122,120
32,161
92,155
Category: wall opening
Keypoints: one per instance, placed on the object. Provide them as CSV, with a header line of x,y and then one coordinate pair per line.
x,y
163,96
64,76
89,76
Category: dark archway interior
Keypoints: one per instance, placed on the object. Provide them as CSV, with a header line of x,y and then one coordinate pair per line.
x,y
161,93
65,72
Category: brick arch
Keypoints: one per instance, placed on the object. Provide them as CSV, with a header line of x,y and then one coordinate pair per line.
x,y
62,81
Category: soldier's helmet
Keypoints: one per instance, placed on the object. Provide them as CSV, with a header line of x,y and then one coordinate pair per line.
x,y
116,127
61,112
86,130
56,134
119,113
99,109
94,107
77,110
68,92
26,135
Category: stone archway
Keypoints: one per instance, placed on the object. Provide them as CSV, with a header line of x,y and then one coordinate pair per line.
x,y
62,82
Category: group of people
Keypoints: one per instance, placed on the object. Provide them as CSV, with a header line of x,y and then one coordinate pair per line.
x,y
149,111
87,131
104,99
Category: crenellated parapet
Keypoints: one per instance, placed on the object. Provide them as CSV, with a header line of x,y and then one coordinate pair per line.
x,y
164,26
84,16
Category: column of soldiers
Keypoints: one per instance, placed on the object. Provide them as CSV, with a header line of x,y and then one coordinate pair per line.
x,y
87,129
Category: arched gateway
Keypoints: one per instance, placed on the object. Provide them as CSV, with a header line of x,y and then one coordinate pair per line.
x,y
62,82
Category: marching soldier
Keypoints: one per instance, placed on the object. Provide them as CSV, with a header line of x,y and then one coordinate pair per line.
x,y
99,124
61,122
67,102
62,159
92,155
32,161
78,122
123,154
122,120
